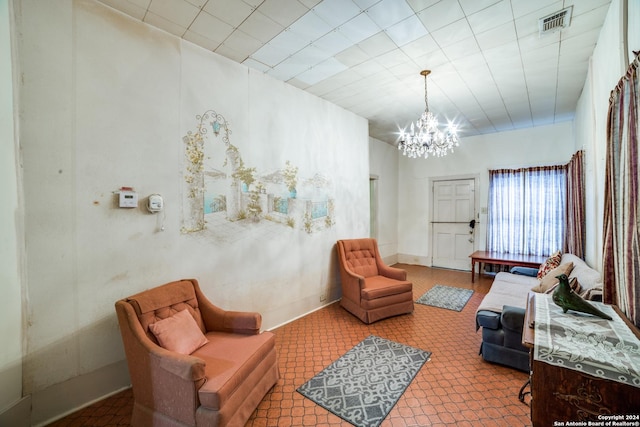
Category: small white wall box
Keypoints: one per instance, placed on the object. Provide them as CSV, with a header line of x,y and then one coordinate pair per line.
x,y
128,198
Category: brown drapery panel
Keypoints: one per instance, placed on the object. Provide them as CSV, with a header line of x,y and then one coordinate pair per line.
x,y
621,251
575,232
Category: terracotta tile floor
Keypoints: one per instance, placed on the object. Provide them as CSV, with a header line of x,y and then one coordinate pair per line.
x,y
454,388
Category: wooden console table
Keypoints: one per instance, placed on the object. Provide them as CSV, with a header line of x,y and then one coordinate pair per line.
x,y
480,257
560,394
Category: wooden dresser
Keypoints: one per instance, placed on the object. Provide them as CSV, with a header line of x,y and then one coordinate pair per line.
x,y
561,396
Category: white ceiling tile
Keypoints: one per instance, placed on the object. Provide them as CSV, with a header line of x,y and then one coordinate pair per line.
x,y
490,17
359,28
497,36
289,41
333,43
288,68
178,11
585,23
406,31
472,6
420,47
132,9
164,24
368,68
535,79
310,27
196,3
336,12
242,43
538,7
352,56
321,71
377,45
389,12
200,40
260,26
441,14
393,58
232,54
211,27
461,49
432,60
583,6
270,54
452,33
311,55
256,65
308,3
284,12
233,12
528,24
365,4
418,5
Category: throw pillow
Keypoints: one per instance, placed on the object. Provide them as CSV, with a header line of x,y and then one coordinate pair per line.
x,y
550,279
552,262
573,284
179,333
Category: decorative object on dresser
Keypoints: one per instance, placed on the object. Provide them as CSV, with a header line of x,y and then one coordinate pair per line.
x,y
583,368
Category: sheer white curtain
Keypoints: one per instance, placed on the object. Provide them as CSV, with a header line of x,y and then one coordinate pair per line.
x,y
527,209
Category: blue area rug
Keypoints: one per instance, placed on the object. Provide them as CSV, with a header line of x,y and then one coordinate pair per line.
x,y
363,385
446,297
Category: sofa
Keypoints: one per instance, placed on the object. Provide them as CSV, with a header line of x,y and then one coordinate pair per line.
x,y
501,312
192,363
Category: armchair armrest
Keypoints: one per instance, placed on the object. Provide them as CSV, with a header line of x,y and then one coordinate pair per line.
x,y
217,319
392,272
186,367
512,318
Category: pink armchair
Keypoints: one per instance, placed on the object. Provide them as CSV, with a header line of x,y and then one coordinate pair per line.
x,y
371,290
221,383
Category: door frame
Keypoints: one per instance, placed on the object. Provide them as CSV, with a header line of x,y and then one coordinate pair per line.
x,y
476,207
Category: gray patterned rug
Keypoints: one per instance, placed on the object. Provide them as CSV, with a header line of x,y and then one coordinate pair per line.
x,y
364,384
446,297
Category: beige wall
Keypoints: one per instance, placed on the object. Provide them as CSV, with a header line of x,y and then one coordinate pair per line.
x,y
383,164
11,245
81,139
105,103
543,145
608,64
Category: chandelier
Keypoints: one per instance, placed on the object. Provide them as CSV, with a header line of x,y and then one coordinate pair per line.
x,y
425,138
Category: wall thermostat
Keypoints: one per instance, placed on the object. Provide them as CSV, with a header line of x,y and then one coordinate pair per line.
x,y
128,199
155,203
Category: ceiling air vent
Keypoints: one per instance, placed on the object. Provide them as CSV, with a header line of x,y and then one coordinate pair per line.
x,y
556,21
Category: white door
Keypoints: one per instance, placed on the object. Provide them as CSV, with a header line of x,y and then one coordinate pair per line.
x,y
453,210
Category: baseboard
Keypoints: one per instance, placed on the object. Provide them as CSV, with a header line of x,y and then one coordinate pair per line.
x,y
62,399
414,260
303,315
18,414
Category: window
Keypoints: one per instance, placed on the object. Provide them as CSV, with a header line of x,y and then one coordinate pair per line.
x,y
527,210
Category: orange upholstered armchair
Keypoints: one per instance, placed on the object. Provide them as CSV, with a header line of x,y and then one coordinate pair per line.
x,y
371,290
218,383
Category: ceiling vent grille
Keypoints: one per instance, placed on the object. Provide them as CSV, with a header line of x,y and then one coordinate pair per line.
x,y
556,21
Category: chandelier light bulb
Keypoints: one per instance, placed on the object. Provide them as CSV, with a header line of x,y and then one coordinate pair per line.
x,y
425,137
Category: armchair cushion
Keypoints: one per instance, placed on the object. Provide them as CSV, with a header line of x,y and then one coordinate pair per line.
x,y
230,362
179,333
